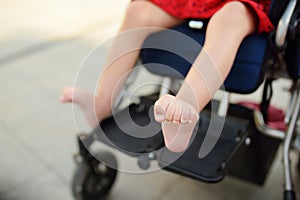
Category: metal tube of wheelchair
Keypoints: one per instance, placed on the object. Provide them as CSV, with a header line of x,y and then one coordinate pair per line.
x,y
289,193
284,22
165,86
263,128
291,108
124,93
224,105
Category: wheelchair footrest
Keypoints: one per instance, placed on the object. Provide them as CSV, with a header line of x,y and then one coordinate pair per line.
x,y
133,130
210,168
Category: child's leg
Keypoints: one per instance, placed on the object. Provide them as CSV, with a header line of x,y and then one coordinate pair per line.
x,y
121,59
225,32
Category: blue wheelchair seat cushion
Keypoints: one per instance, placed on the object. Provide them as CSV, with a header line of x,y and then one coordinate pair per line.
x,y
172,52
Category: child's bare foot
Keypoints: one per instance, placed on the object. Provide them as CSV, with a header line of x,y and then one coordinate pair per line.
x,y
178,120
88,103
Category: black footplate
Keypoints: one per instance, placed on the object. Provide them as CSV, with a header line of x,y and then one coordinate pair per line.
x,y
210,165
133,130
212,152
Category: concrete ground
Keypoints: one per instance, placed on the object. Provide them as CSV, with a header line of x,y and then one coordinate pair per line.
x,y
43,44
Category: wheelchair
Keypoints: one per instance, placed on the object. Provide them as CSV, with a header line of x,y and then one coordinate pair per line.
x,y
248,138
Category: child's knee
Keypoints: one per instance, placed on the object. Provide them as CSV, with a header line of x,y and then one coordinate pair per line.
x,y
138,14
235,14
235,8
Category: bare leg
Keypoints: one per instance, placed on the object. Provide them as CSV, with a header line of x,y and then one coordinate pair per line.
x,y
225,32
121,59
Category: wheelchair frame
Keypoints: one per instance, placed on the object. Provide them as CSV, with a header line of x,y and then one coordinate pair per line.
x,y
288,137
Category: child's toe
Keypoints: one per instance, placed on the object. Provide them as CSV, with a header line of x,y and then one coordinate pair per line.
x,y
159,113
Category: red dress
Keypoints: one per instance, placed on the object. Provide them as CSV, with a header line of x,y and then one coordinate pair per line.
x,y
204,9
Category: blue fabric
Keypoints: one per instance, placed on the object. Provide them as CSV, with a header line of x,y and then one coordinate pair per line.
x,y
245,76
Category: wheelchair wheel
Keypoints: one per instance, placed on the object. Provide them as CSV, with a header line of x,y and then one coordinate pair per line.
x,y
93,181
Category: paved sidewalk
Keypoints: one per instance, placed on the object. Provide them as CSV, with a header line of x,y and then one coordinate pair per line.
x,y
42,45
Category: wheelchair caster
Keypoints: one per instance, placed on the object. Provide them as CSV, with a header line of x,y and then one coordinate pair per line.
x,y
93,180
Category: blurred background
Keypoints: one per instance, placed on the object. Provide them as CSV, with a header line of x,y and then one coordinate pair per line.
x,y
42,45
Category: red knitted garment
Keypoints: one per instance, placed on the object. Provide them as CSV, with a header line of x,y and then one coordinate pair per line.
x,y
204,9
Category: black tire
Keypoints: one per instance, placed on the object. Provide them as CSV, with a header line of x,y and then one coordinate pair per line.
x,y
94,181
